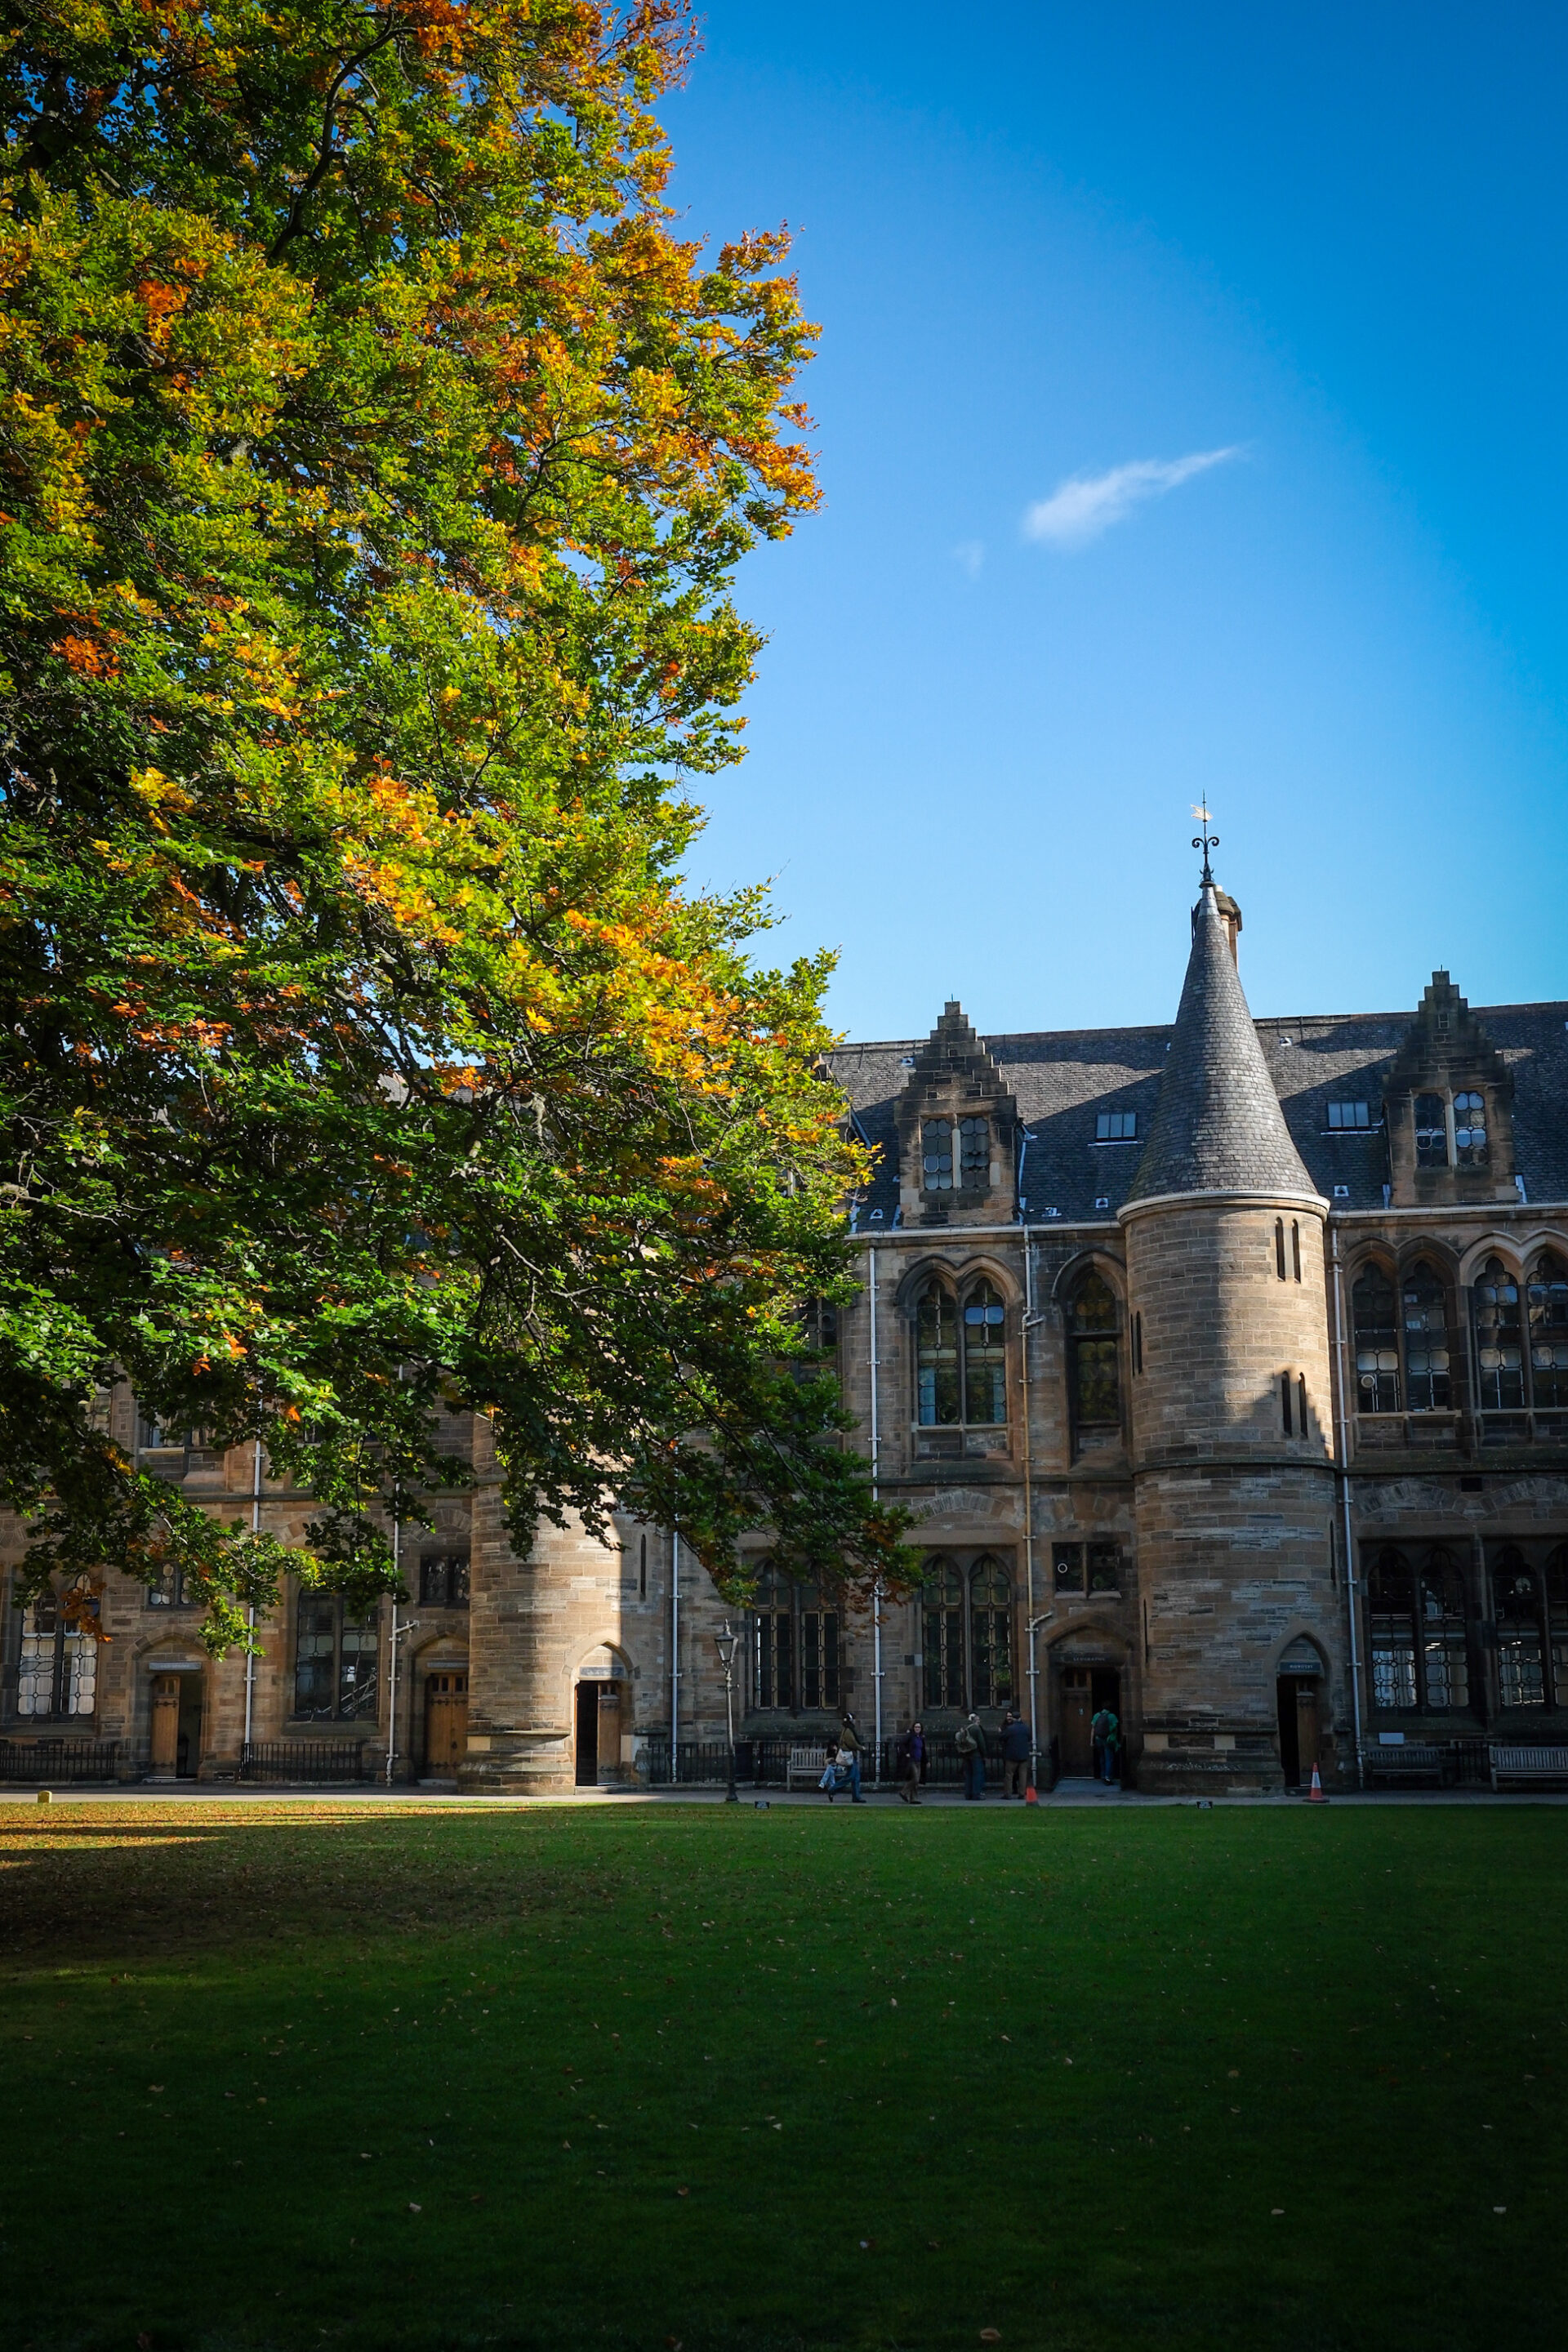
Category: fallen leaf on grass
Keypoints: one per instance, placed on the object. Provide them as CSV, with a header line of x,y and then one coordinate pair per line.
x,y
990,2336
683,2192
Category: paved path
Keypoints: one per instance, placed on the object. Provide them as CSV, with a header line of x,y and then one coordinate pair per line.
x,y
1068,1795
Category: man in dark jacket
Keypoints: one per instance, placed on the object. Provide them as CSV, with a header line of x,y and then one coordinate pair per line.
x,y
1015,1747
970,1742
911,1763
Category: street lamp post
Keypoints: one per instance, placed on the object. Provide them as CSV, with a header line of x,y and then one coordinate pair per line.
x,y
724,1643
1035,1623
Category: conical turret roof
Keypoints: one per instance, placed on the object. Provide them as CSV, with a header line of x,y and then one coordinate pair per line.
x,y
1219,1127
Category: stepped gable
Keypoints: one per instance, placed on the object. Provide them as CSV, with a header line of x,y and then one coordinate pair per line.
x,y
1446,1036
953,1067
1219,1127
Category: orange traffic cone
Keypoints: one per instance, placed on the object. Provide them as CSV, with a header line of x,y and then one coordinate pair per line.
x,y
1315,1793
1031,1795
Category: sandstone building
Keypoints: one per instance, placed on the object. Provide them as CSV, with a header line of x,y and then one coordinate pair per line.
x,y
1226,1366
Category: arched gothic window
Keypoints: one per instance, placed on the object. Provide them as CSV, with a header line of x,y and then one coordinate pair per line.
x,y
1500,1346
1091,1348
961,1357
1376,1341
795,1664
1470,1132
1517,1597
984,1357
1548,1303
1416,1620
1428,1384
968,1634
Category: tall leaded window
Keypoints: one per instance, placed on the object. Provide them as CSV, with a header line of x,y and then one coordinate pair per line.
x,y
975,1154
1376,1341
961,1357
57,1670
1517,1601
990,1634
1445,1651
1091,1348
336,1657
795,1646
1431,1131
1391,1628
1557,1623
936,1357
1425,1320
984,1357
444,1579
1548,1305
968,1634
936,1155
1499,1345
1470,1132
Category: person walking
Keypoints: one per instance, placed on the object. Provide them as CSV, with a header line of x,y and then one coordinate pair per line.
x,y
911,1763
1017,1744
1104,1734
850,1754
970,1743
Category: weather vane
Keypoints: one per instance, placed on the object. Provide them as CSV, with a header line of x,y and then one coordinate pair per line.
x,y
1206,841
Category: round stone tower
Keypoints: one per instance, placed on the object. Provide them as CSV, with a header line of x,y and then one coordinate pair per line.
x,y
1232,1416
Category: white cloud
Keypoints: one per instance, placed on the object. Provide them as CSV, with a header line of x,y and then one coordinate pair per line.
x,y
1080,508
969,555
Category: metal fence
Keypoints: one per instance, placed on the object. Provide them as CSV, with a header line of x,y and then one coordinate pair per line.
x,y
765,1764
315,1761
60,1759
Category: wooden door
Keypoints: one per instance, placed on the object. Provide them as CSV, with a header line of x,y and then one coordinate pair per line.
x,y
609,1737
1307,1729
446,1722
1078,1708
165,1723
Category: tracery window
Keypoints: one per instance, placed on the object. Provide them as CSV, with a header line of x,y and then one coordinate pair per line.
x,y
1376,1341
968,1634
1548,1306
1470,1132
1431,1131
1427,1358
1094,1373
444,1579
57,1670
795,1646
1500,1347
336,1657
1517,1597
961,1357
1420,1656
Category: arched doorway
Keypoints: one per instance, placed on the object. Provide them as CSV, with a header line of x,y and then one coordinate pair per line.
x,y
1089,1679
176,1688
1298,1685
601,1718
446,1720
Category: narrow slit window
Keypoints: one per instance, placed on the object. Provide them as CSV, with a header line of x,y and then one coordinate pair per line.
x,y
1138,1341
1285,1400
1301,1404
1296,1248
1280,1247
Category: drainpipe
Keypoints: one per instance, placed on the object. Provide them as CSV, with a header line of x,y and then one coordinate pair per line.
x,y
876,1589
250,1611
392,1670
674,1656
1029,1507
1346,1495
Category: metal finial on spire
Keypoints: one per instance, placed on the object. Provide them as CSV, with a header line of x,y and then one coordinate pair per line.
x,y
1206,840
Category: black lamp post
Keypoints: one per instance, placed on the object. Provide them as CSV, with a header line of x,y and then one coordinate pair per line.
x,y
724,1643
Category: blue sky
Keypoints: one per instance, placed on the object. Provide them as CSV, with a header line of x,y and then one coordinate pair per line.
x,y
1048,243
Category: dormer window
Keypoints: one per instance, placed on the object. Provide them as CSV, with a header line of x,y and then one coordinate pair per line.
x,y
1345,1117
1470,1131
1116,1126
956,1155
1431,1131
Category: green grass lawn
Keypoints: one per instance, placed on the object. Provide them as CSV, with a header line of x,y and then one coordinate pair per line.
x,y
317,2078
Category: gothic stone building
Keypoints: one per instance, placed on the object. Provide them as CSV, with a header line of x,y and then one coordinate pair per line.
x,y
1225,1367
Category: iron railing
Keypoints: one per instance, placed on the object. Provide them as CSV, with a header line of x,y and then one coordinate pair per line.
x,y
60,1759
315,1761
765,1764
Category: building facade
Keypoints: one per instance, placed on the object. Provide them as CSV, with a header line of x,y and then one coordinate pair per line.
x,y
1223,1366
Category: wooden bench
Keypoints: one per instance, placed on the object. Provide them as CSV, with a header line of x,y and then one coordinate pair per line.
x,y
810,1763
1415,1761
1512,1765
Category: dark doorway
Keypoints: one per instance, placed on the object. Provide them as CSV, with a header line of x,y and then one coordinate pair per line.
x,y
1290,1735
1085,1690
189,1742
587,1735
1105,1690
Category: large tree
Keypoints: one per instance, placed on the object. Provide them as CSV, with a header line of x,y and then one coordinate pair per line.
x,y
374,465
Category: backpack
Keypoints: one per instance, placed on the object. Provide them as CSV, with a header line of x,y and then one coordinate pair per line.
x,y
965,1740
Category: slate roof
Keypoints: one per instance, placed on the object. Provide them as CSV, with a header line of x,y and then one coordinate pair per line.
x,y
1063,1079
1217,1127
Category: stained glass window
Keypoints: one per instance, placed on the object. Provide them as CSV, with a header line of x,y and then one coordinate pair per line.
x,y
1376,1343
1548,1301
1426,1363
984,1358
1499,1348
1091,1337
